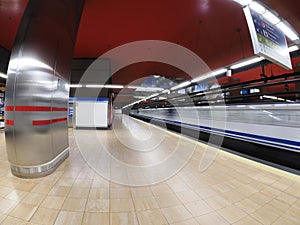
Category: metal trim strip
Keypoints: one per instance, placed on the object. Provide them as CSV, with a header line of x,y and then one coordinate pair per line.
x,y
39,170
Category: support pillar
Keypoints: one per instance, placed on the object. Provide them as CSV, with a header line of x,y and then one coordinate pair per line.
x,y
37,89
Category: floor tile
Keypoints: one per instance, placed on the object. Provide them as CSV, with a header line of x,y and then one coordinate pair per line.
x,y
16,195
211,218
187,222
97,205
2,217
121,205
33,199
198,208
67,218
247,205
44,216
289,199
232,213
187,196
13,221
123,219
41,189
161,189
61,191
118,193
74,204
4,191
176,214
293,213
99,193
151,217
53,202
167,200
145,203
247,220
23,211
260,198
141,192
6,205
217,202
206,192
93,218
266,214
286,220
83,183
79,192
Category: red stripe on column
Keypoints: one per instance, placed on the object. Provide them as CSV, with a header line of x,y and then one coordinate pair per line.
x,y
9,122
48,122
41,122
9,108
35,109
58,120
56,109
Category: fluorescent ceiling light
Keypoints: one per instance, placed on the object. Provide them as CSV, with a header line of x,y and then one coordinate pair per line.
x,y
202,77
75,85
143,88
270,97
293,48
152,96
184,84
113,86
166,91
94,85
209,75
243,2
218,72
257,7
132,87
271,17
246,63
138,97
3,75
149,89
287,31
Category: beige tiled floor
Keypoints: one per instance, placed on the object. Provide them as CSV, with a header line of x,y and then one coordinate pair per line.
x,y
232,190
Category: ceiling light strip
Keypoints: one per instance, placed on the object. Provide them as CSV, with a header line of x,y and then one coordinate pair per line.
x,y
3,75
246,63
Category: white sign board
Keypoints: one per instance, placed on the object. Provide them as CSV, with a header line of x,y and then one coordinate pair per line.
x,y
268,41
91,114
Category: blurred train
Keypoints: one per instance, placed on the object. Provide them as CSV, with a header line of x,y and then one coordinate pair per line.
x,y
270,132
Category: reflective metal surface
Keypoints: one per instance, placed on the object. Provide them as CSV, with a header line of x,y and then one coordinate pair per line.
x,y
37,86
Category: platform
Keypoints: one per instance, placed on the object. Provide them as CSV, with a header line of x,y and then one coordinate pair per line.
x,y
231,190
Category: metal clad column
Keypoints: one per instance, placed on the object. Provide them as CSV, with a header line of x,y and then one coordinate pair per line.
x,y
37,87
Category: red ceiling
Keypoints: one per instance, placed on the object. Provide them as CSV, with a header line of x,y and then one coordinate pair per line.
x,y
207,27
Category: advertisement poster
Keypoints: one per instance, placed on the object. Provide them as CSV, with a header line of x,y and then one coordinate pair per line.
x,y
268,41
